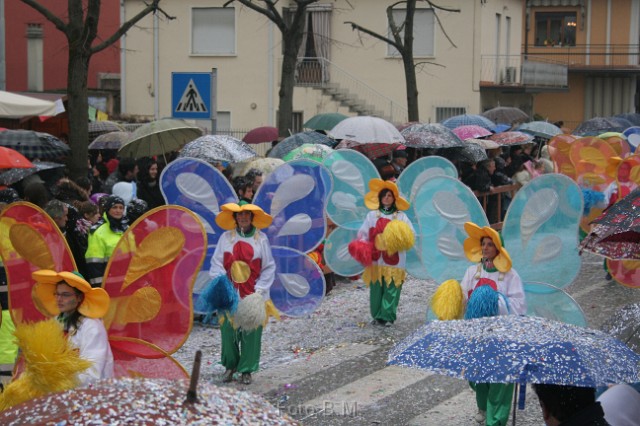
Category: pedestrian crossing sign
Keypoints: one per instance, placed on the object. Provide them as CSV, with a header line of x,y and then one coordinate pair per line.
x,y
191,95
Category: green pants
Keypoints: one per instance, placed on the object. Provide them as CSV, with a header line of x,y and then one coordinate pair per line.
x,y
240,350
383,301
495,399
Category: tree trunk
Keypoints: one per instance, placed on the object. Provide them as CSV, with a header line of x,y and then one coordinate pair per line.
x,y
287,83
407,61
78,109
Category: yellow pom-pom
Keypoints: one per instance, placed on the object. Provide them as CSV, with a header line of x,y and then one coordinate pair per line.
x,y
51,365
447,302
397,236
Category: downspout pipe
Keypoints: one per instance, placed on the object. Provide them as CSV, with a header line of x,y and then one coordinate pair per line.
x,y
123,61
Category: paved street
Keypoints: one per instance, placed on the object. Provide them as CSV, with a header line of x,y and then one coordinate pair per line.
x,y
346,381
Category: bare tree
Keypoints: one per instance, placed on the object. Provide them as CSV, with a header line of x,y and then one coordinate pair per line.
x,y
80,27
292,33
402,40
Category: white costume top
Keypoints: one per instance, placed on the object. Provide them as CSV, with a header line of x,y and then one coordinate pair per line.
x,y
261,250
370,222
93,344
508,284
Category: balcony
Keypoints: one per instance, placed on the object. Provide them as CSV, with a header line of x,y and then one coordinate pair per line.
x,y
620,58
514,73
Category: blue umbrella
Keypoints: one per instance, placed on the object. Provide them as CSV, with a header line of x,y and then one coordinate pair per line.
x,y
598,125
467,119
518,349
542,129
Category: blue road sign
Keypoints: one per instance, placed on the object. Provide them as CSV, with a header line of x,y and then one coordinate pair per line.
x,y
191,95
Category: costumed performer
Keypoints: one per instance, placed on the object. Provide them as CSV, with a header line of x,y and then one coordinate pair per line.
x,y
381,245
493,269
103,238
79,309
243,255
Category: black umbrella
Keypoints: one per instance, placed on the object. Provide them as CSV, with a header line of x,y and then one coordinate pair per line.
x,y
625,325
598,125
34,145
97,128
11,176
470,153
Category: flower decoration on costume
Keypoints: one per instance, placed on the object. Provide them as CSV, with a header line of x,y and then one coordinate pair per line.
x,y
473,246
375,234
242,267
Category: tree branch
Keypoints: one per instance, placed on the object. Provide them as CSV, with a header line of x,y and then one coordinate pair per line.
x,y
357,27
445,9
151,7
251,5
60,25
435,6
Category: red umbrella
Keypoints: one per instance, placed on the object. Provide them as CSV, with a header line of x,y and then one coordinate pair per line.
x,y
261,134
511,138
371,150
12,159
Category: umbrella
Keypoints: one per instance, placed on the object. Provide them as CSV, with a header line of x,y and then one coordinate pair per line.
x,y
501,128
616,233
371,150
146,401
367,129
512,138
112,140
216,148
294,141
10,158
315,152
34,145
518,349
262,134
97,128
542,129
431,136
624,324
466,119
597,125
265,165
633,137
471,131
9,177
506,115
158,138
633,118
470,153
326,121
484,143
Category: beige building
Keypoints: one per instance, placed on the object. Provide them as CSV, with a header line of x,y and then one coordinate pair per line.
x,y
340,70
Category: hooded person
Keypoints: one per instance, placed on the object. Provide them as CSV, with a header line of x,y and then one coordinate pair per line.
x,y
490,287
103,238
380,246
78,308
242,258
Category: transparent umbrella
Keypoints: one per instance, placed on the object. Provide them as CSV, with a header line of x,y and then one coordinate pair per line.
x,y
294,141
431,136
217,148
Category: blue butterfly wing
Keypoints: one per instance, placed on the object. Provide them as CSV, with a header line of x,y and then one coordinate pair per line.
x,y
547,301
200,187
409,183
540,230
442,206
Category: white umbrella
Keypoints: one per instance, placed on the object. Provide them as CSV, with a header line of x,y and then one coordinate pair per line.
x,y
366,129
13,105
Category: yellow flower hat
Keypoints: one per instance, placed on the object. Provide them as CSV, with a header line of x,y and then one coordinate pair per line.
x,y
225,219
95,303
473,246
375,186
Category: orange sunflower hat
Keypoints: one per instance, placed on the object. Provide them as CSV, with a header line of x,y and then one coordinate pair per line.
x,y
375,186
96,300
473,246
226,220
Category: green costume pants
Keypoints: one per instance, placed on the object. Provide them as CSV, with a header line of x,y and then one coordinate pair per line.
x,y
383,301
240,350
495,399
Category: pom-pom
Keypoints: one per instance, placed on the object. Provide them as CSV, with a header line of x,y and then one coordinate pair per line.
x,y
592,199
219,294
447,302
482,303
51,365
361,251
251,313
397,236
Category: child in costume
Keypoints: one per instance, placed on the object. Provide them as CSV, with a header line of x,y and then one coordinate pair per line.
x,y
243,254
78,308
493,269
381,245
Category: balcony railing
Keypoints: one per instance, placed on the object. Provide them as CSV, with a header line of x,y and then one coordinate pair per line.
x,y
515,70
591,56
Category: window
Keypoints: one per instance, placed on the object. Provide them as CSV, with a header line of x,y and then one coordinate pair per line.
x,y
556,29
442,113
423,32
213,31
